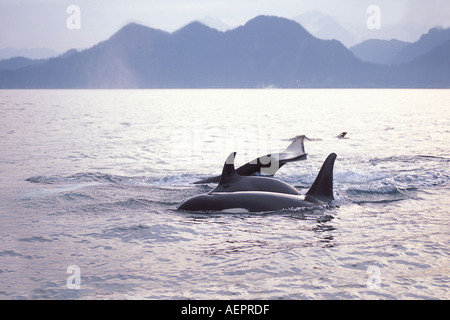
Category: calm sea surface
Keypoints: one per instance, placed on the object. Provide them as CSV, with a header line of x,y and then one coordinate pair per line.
x,y
90,181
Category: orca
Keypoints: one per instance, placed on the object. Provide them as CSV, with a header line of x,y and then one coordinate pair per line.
x,y
231,181
269,164
342,135
320,193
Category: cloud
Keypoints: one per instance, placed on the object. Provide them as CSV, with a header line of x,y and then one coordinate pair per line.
x,y
428,13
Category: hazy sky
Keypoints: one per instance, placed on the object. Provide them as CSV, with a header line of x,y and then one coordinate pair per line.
x,y
42,23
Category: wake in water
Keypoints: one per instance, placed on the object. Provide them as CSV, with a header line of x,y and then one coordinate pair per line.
x,y
118,171
384,180
377,180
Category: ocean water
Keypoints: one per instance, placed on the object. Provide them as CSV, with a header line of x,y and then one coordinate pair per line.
x,y
90,181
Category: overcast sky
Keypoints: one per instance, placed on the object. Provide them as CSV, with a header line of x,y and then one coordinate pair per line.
x,y
42,23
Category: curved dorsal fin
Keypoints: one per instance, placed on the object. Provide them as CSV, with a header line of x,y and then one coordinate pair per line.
x,y
322,188
228,171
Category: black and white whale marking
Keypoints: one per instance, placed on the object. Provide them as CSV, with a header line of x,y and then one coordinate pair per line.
x,y
231,181
269,164
266,195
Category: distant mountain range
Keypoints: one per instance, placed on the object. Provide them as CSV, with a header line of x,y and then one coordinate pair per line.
x,y
398,52
34,53
266,52
379,51
325,27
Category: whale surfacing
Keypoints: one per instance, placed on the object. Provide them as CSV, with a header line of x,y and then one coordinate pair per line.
x,y
269,164
231,181
236,193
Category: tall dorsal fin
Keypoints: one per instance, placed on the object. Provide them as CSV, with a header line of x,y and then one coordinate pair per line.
x,y
322,188
228,171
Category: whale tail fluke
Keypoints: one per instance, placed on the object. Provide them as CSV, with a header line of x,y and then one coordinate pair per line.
x,y
270,163
322,188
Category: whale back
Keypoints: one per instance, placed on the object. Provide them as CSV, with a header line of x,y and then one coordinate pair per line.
x,y
231,181
252,200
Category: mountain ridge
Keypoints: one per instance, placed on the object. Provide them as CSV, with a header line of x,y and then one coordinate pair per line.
x,y
378,50
427,42
267,51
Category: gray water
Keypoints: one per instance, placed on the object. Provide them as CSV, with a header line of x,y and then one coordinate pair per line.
x,y
92,179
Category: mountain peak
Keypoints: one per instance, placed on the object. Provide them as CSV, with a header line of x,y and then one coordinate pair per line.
x,y
436,35
428,41
266,51
195,27
134,30
325,27
272,22
275,27
132,27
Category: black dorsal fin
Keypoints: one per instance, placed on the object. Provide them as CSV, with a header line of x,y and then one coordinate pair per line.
x,y
228,171
322,188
